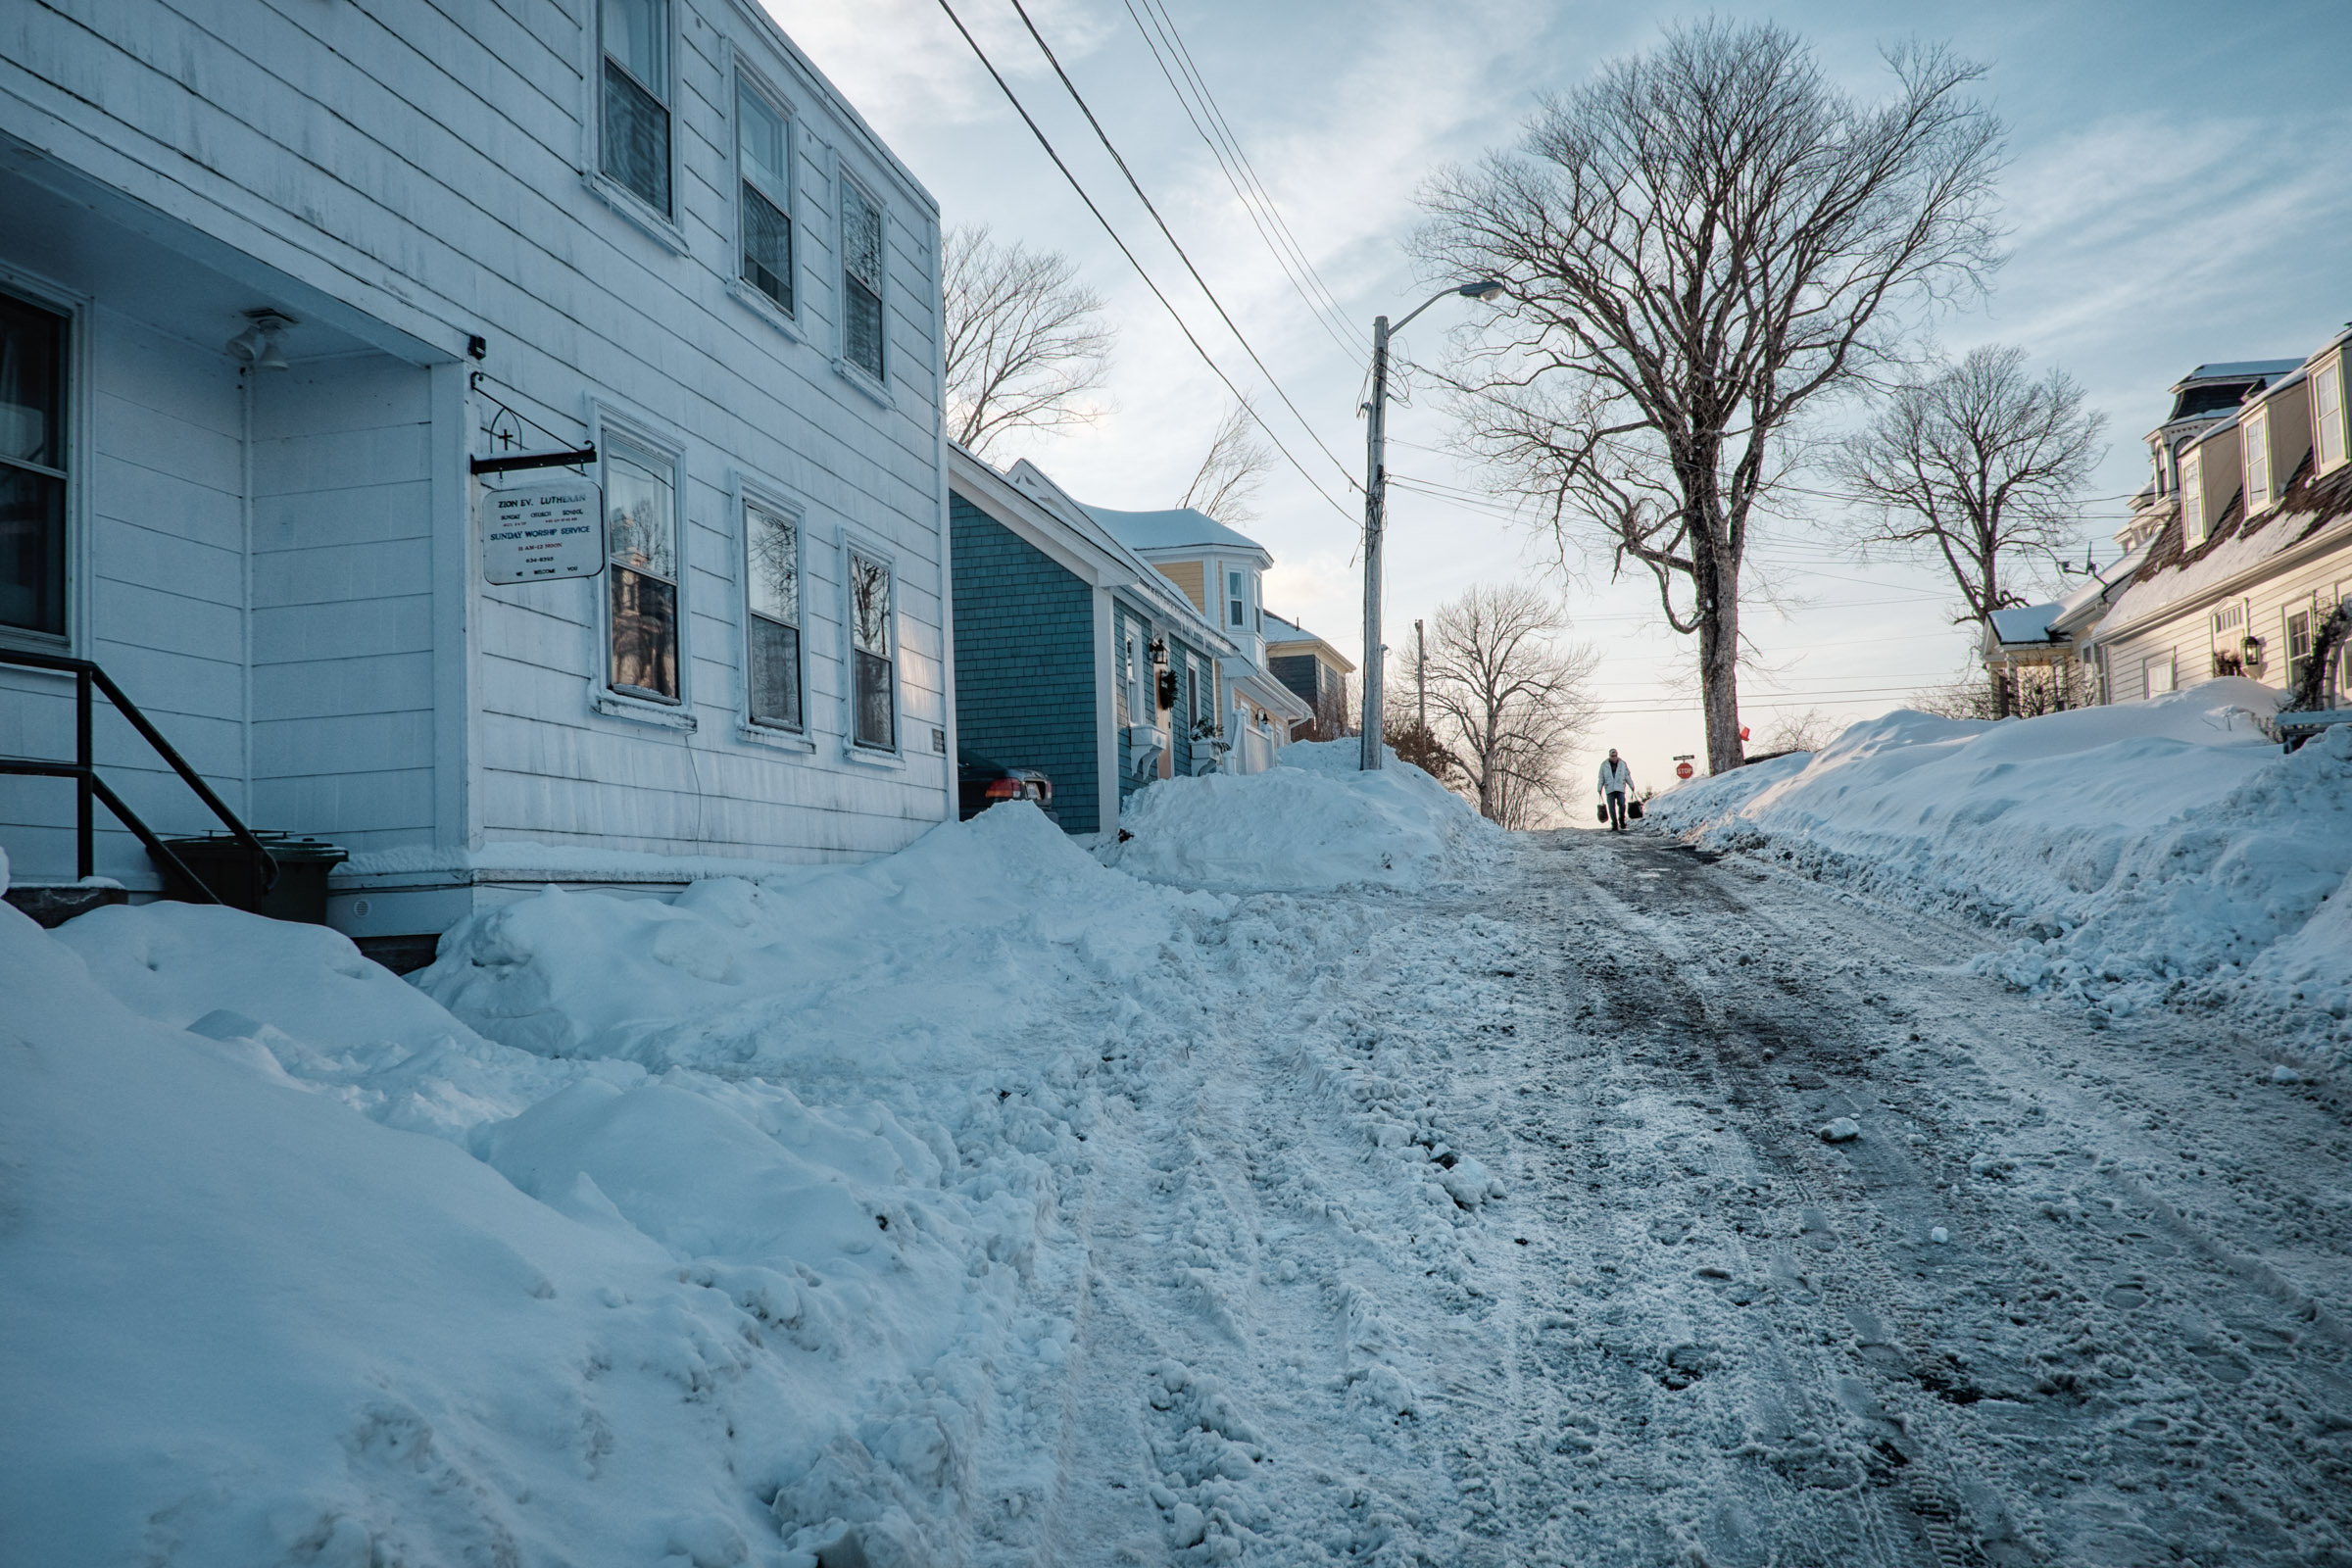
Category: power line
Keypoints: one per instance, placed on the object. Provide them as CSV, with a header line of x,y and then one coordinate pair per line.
x,y
1174,315
1247,188
1137,186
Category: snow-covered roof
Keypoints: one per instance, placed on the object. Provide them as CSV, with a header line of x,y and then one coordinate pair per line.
x,y
1281,630
1177,528
2232,370
2025,623
2176,574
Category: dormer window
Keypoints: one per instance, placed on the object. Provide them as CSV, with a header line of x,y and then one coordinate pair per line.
x,y
1237,599
2192,499
2256,430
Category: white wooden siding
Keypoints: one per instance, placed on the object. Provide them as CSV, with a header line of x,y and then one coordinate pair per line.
x,y
411,174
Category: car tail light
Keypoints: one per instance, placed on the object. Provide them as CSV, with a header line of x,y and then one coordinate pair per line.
x,y
1004,789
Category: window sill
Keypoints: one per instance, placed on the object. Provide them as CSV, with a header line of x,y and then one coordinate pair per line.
x,y
25,640
864,383
868,756
614,706
782,740
626,202
767,309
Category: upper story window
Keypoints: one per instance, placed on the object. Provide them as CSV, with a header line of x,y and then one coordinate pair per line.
x,y
32,468
2257,428
640,530
861,280
2192,499
1237,599
635,98
764,182
874,653
771,545
2328,414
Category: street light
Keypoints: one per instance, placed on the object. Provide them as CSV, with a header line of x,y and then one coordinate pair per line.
x,y
1376,493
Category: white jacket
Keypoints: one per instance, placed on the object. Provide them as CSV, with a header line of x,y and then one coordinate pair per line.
x,y
1615,775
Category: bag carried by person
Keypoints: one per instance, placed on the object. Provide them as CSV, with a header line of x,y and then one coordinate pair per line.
x,y
1602,814
1633,810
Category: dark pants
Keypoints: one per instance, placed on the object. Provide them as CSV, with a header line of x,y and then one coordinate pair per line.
x,y
1616,810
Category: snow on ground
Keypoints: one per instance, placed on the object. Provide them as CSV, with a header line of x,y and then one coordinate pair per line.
x,y
1312,823
2143,854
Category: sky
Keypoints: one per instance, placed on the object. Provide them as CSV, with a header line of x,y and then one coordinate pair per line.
x,y
2174,193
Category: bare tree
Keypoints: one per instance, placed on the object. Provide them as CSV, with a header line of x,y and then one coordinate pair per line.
x,y
1808,731
1507,701
1234,466
1696,246
1026,340
1981,465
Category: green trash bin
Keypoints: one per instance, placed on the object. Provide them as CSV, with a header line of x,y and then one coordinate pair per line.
x,y
227,868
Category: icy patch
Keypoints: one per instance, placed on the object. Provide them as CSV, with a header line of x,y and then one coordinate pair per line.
x,y
1312,823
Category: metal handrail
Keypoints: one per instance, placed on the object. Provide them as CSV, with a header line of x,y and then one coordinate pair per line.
x,y
90,789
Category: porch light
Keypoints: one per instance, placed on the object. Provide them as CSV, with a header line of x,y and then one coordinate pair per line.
x,y
258,345
2251,649
1160,650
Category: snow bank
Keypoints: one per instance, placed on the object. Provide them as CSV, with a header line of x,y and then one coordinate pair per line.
x,y
2157,852
1313,822
303,1265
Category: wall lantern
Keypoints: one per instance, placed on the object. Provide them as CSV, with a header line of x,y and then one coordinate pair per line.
x,y
2251,649
1160,650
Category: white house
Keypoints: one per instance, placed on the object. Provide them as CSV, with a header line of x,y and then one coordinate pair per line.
x,y
277,281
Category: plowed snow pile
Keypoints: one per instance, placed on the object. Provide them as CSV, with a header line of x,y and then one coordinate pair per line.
x,y
1311,822
710,1233
2149,853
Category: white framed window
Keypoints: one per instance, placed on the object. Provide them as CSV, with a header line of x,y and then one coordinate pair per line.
x,y
2301,626
2256,430
763,246
634,93
774,671
34,408
861,280
2156,674
641,533
1237,598
2327,412
873,651
2192,499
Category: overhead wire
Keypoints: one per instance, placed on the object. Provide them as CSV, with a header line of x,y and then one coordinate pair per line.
x,y
1218,305
1043,140
1240,175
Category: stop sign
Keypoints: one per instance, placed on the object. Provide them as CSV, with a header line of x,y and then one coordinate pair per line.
x,y
1682,771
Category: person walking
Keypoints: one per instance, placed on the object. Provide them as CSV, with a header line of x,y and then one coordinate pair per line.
x,y
1616,782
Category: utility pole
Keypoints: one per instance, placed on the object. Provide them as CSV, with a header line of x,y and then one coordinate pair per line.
x,y
1376,501
1421,676
1376,497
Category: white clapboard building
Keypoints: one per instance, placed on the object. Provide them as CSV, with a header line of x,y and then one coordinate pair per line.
x,y
298,299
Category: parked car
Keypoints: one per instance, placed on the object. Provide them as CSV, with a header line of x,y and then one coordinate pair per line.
x,y
982,785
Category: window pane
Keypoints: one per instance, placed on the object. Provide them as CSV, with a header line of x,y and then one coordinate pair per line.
x,y
33,345
636,139
2258,463
861,329
645,633
637,36
2192,498
760,140
877,719
772,545
640,519
776,654
2328,392
767,247
861,280
869,606
32,550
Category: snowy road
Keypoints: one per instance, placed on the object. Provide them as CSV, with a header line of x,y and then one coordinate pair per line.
x,y
1499,1231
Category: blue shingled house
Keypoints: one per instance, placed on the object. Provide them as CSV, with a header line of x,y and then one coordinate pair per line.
x,y
1072,652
